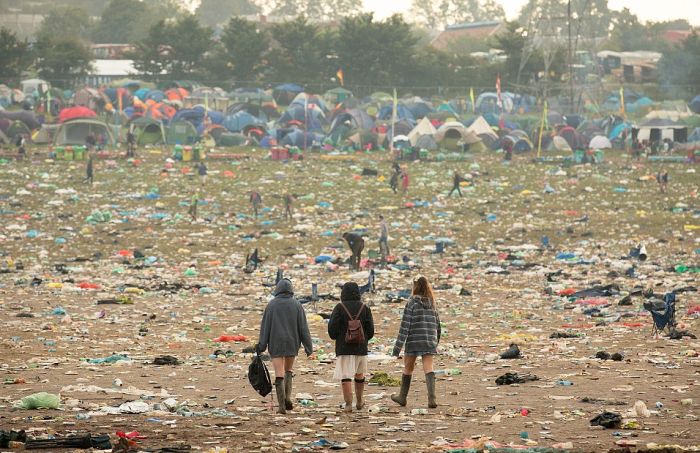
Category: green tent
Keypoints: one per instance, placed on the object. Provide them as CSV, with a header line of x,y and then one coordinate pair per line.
x,y
181,132
149,131
336,96
73,132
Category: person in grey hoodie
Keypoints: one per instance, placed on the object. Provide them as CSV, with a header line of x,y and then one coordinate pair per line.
x,y
283,330
419,334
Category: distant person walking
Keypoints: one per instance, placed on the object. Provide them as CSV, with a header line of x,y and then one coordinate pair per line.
x,y
404,181
202,171
90,141
456,181
194,200
283,330
395,175
383,239
255,201
288,205
662,180
350,349
130,144
356,244
419,335
89,171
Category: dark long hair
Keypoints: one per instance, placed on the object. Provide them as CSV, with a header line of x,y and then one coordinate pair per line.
x,y
421,288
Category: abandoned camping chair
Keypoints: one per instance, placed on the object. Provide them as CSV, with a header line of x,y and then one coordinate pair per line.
x,y
663,313
369,287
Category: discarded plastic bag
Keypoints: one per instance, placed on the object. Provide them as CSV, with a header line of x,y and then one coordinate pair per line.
x,y
41,400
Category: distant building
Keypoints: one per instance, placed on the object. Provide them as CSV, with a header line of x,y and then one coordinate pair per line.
x,y
676,36
458,32
639,66
105,71
110,51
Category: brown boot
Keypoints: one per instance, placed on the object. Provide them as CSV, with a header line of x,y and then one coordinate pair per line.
x,y
359,392
288,384
279,390
430,383
400,399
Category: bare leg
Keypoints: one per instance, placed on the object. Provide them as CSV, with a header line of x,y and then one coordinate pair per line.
x,y
347,394
427,363
409,363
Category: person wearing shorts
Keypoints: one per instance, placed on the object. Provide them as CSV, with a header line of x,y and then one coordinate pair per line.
x,y
418,336
351,359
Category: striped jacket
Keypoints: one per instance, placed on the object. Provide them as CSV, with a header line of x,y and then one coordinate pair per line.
x,y
420,327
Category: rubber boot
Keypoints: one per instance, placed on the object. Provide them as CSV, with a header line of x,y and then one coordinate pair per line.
x,y
400,399
359,391
279,390
430,383
288,384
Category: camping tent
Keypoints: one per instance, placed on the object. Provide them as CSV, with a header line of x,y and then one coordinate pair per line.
x,y
73,132
181,132
284,94
149,131
600,142
336,95
483,130
559,144
656,130
455,132
695,104
45,135
423,128
240,120
78,111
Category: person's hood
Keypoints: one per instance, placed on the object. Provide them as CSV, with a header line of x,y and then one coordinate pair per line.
x,y
424,301
284,287
350,292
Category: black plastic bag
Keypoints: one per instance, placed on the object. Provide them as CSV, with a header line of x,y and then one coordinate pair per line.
x,y
258,376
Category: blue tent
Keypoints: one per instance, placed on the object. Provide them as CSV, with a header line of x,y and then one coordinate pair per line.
x,y
419,110
313,118
285,93
142,93
194,115
616,132
300,139
402,113
695,136
156,95
239,121
695,104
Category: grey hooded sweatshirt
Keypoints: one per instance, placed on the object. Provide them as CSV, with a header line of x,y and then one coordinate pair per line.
x,y
283,328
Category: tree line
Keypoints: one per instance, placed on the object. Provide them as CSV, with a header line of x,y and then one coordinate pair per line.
x,y
316,41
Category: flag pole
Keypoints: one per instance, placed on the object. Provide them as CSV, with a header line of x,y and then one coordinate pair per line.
x,y
544,118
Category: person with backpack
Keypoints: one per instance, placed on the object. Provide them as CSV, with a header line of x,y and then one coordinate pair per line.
x,y
283,330
419,335
351,326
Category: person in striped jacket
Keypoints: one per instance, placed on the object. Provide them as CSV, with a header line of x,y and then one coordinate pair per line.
x,y
419,335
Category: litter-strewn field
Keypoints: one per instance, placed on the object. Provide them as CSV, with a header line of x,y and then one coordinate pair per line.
x,y
100,280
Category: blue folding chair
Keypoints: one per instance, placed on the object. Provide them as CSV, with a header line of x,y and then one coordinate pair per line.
x,y
664,317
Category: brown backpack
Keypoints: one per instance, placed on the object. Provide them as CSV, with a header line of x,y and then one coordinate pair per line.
x,y
355,333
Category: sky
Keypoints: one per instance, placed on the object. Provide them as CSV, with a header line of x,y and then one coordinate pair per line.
x,y
645,9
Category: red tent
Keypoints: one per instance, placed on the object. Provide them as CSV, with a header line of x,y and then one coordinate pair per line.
x,y
71,113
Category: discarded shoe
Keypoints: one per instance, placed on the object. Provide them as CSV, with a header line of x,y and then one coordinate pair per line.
x,y
608,420
515,378
513,352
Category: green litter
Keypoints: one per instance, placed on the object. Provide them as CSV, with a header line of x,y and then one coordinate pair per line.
x,y
384,380
41,400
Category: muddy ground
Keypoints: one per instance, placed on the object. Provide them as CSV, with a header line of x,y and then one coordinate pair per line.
x,y
497,285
